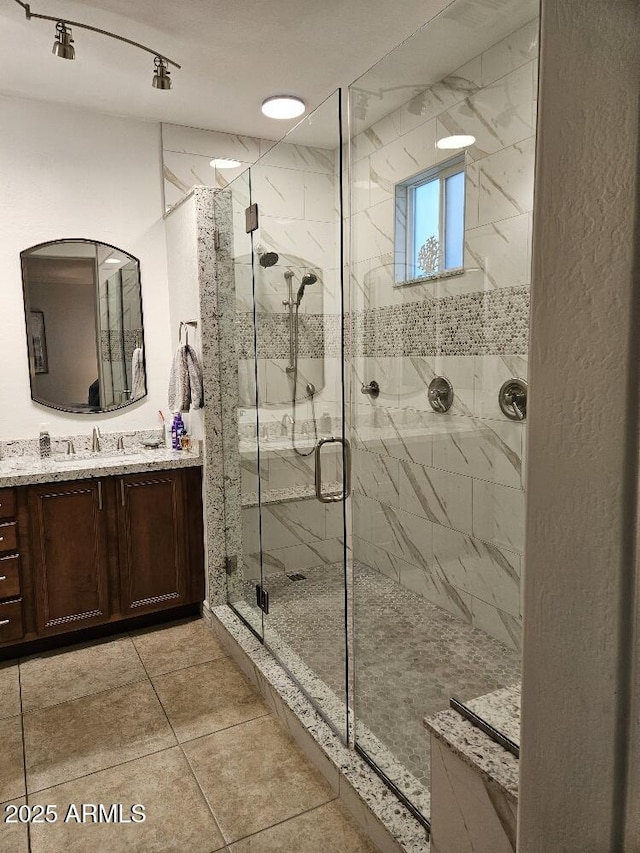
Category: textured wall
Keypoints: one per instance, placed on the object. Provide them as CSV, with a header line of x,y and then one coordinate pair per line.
x,y
583,434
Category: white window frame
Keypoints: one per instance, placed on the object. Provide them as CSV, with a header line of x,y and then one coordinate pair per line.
x,y
404,220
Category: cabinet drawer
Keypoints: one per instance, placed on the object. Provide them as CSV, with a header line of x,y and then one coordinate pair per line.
x,y
7,503
11,621
8,536
9,577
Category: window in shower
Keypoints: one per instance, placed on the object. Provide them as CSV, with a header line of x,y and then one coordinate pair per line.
x,y
429,236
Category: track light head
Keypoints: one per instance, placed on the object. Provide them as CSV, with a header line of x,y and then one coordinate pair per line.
x,y
161,78
63,44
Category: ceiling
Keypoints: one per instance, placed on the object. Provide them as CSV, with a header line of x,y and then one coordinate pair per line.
x,y
234,54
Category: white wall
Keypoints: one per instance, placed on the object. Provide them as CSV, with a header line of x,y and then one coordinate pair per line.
x,y
583,437
72,173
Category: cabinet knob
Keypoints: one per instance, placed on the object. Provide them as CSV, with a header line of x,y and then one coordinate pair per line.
x,y
4,622
3,578
1,538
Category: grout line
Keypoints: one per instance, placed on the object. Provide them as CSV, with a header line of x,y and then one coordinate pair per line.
x,y
184,755
85,696
332,799
24,755
225,728
180,668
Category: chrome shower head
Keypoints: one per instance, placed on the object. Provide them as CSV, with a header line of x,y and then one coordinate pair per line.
x,y
268,259
307,279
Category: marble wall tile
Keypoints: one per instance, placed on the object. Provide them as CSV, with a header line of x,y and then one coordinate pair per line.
x,y
438,496
278,192
406,155
501,251
304,556
479,568
292,523
430,585
469,812
320,199
497,115
312,243
376,558
483,449
299,157
517,49
506,182
497,623
372,231
498,515
211,143
463,83
376,476
490,372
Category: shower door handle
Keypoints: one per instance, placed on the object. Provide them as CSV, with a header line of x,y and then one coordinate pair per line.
x,y
333,497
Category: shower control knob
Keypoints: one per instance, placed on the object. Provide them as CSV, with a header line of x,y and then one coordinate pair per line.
x,y
371,388
512,398
440,394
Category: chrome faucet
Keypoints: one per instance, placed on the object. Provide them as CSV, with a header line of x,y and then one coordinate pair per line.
x,y
120,445
95,440
71,450
286,424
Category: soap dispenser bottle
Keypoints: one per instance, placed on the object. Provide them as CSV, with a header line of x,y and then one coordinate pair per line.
x,y
45,441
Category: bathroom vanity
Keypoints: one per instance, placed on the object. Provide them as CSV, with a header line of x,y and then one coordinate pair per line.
x,y
86,543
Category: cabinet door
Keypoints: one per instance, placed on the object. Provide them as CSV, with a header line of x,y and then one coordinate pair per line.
x,y
153,548
68,528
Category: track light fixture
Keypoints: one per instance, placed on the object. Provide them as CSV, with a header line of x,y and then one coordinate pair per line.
x,y
161,79
63,44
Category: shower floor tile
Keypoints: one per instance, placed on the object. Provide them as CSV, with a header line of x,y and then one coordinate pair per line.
x,y
410,658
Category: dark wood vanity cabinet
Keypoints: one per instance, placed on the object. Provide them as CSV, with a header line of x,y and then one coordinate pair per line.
x,y
86,553
69,555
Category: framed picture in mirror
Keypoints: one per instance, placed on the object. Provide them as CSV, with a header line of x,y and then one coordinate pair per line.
x,y
38,336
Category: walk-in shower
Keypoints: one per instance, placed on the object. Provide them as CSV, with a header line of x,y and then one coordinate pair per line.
x,y
387,588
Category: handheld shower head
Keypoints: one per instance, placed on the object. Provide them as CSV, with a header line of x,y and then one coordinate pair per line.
x,y
307,279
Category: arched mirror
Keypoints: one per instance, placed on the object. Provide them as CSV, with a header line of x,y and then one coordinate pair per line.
x,y
85,335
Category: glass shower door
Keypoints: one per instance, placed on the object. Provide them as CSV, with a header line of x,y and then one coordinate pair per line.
x,y
244,574
297,272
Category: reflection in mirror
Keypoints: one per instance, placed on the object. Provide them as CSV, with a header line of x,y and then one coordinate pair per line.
x,y
83,311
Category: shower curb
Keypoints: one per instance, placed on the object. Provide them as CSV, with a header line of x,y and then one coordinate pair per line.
x,y
389,824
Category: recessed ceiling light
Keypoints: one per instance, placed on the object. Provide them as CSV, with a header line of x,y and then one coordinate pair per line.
x,y
112,261
455,142
283,107
225,163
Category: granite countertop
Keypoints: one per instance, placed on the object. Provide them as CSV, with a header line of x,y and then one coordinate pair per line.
x,y
27,470
502,710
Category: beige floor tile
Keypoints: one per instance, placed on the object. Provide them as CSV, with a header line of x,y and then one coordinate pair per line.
x,y
9,690
75,738
11,760
60,676
177,817
253,776
13,836
175,646
208,697
326,828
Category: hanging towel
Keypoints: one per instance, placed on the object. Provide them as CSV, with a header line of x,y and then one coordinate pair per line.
x,y
179,383
138,379
196,390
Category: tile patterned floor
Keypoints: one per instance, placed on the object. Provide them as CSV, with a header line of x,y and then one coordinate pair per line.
x,y
164,718
410,656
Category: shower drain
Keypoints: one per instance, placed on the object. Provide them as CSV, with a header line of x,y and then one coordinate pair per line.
x,y
297,577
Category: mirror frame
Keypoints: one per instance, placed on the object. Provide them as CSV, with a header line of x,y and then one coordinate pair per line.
x,y
25,253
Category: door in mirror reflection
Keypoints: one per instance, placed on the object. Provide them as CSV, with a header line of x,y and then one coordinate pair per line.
x,y
85,336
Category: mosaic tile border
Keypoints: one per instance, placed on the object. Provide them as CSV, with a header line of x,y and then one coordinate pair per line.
x,y
492,322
